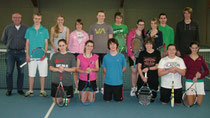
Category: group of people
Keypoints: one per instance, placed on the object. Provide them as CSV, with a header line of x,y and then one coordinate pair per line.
x,y
79,53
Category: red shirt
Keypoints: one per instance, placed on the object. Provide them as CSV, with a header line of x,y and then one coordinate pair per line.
x,y
194,66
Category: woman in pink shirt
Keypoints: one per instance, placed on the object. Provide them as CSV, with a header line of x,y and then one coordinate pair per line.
x,y
87,63
194,74
76,44
137,33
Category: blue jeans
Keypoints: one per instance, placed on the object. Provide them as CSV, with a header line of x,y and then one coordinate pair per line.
x,y
12,57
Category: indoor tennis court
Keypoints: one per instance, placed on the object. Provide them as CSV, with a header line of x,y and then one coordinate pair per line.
x,y
17,106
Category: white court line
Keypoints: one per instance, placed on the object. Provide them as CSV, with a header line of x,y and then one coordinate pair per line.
x,y
50,110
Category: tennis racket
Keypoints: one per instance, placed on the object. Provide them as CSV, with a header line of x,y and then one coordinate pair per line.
x,y
60,96
163,50
137,47
189,92
172,92
144,94
37,54
87,94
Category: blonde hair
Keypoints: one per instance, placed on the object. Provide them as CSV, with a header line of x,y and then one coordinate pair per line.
x,y
155,20
188,9
56,28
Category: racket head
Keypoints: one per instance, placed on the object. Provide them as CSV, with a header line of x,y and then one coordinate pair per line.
x,y
191,92
38,54
60,96
137,47
144,95
87,95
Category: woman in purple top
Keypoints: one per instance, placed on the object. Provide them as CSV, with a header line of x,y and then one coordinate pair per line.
x,y
87,63
194,63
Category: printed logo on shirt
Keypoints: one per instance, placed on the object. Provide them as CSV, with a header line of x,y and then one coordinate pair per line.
x,y
149,61
171,64
58,61
100,31
64,65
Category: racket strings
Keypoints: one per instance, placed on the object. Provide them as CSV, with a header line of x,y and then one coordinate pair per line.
x,y
60,97
38,53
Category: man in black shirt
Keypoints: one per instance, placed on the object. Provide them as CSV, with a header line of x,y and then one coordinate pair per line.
x,y
186,32
13,38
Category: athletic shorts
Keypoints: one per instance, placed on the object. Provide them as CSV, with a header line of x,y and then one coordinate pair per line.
x,y
75,54
131,61
198,86
42,68
83,83
100,59
67,89
165,95
115,91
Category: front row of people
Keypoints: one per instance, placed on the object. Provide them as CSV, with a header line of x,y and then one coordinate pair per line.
x,y
169,68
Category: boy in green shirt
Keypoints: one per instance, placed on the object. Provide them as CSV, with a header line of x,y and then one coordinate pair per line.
x,y
120,32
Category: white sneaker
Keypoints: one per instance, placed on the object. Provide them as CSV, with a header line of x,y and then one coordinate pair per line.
x,y
133,91
97,90
76,91
102,90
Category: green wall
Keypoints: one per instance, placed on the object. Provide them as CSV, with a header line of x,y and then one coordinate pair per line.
x,y
86,10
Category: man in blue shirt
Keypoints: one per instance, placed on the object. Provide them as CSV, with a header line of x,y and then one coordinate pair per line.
x,y
114,64
36,36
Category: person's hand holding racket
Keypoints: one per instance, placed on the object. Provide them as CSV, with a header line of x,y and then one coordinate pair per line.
x,y
134,61
198,75
37,54
61,69
145,78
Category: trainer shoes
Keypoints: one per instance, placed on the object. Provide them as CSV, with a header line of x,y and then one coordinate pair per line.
x,y
29,93
8,93
43,93
76,91
133,91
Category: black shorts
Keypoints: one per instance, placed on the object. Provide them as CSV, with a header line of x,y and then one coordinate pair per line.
x,y
83,83
165,95
67,89
75,54
101,56
116,91
131,61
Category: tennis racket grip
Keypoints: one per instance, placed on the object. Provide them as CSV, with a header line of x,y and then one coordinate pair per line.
x,y
23,64
134,64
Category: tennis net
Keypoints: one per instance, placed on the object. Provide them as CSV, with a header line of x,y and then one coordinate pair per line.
x,y
126,75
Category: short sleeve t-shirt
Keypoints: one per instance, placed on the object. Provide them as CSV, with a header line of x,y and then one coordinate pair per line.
x,y
148,60
166,80
36,37
114,66
85,63
118,33
66,60
100,34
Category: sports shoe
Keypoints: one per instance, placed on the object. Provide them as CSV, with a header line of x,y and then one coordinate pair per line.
x,y
97,90
102,90
133,91
21,92
29,93
43,93
8,93
76,91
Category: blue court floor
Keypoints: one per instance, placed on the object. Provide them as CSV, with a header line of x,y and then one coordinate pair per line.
x,y
17,106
